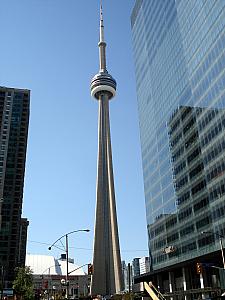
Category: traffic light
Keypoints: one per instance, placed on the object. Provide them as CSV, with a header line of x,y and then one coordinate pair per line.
x,y
199,268
90,269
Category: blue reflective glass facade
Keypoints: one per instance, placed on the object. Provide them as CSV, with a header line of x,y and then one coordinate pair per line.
x,y
179,53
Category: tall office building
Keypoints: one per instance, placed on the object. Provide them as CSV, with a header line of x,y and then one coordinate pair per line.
x,y
125,276
14,118
136,266
107,273
179,51
144,265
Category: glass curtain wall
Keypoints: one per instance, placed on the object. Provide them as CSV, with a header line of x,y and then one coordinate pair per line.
x,y
179,53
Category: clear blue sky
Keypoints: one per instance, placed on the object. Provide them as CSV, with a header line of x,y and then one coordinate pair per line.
x,y
50,47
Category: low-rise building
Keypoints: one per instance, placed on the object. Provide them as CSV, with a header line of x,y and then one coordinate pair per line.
x,y
49,273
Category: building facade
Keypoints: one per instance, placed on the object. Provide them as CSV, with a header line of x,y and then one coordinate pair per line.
x,y
125,276
136,266
49,273
144,265
23,241
14,119
180,62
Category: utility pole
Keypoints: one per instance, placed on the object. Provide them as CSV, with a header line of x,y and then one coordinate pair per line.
x,y
221,248
67,268
2,281
129,278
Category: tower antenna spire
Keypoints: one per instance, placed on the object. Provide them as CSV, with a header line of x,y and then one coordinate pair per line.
x,y
102,43
101,24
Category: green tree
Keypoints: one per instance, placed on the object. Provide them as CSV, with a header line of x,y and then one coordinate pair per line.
x,y
23,283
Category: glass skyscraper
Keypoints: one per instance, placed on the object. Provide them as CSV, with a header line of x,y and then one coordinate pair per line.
x,y
14,119
179,53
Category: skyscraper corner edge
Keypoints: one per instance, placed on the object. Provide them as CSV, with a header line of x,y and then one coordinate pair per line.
x,y
135,11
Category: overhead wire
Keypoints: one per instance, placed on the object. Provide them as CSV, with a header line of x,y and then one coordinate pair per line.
x,y
89,249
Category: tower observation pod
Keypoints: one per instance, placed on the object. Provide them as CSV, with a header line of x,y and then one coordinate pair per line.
x,y
107,271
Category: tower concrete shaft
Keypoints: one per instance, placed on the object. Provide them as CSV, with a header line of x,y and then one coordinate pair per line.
x,y
107,271
106,278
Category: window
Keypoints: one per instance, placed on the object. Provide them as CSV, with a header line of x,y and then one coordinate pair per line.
x,y
189,125
179,168
196,170
198,187
187,110
203,222
187,230
171,222
191,140
173,237
183,198
184,214
188,247
201,204
218,170
181,183
206,241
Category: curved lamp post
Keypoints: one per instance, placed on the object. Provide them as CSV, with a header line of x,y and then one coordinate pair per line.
x,y
221,237
67,254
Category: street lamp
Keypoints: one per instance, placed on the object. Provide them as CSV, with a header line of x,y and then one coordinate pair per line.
x,y
67,255
221,237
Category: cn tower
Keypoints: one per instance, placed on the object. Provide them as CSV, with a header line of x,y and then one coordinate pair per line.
x,y
107,272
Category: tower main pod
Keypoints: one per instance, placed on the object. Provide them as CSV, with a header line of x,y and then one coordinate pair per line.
x,y
107,272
